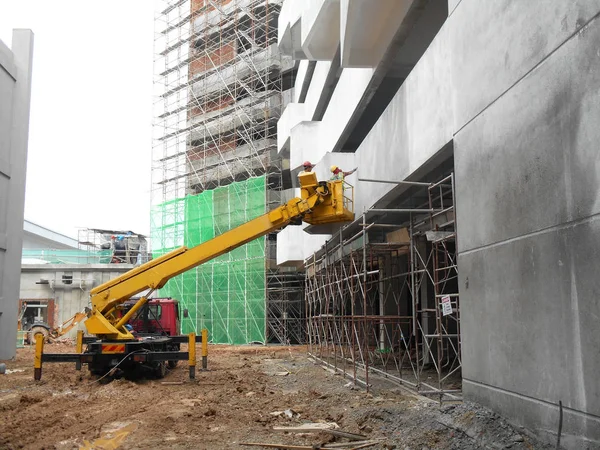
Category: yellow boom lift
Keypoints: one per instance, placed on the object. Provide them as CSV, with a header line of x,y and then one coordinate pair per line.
x,y
115,346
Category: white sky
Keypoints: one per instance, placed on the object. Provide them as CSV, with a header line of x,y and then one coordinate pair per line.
x,y
91,111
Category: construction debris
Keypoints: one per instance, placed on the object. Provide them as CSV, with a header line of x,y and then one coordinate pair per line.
x,y
315,427
169,415
282,446
346,445
355,444
308,427
289,413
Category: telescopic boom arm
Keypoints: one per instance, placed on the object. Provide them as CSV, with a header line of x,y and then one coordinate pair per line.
x,y
320,203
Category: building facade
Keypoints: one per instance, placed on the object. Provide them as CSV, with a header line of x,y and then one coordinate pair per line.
x,y
15,92
221,86
58,272
55,292
470,271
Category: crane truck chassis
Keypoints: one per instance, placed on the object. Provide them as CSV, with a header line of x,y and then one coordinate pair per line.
x,y
114,347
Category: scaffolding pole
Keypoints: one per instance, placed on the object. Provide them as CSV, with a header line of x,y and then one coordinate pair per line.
x,y
220,86
385,300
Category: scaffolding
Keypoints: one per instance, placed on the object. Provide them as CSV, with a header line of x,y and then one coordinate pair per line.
x,y
286,312
220,87
95,246
382,295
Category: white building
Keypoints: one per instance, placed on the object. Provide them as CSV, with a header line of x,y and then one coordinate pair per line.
x,y
58,272
498,102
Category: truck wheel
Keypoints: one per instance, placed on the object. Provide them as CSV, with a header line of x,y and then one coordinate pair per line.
x,y
38,330
161,370
172,364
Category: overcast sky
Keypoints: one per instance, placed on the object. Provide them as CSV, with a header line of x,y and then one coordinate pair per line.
x,y
91,111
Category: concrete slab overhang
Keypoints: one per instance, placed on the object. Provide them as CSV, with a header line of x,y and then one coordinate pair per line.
x,y
289,30
293,114
320,31
310,29
313,29
366,32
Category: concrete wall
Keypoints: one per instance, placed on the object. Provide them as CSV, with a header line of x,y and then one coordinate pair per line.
x,y
414,127
512,88
69,298
528,204
15,94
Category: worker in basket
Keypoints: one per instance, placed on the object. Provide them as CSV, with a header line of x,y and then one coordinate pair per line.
x,y
339,174
308,167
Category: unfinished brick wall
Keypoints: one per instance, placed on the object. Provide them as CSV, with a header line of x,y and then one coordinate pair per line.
x,y
221,145
211,105
198,7
205,59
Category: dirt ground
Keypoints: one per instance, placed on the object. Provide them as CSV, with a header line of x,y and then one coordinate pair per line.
x,y
245,393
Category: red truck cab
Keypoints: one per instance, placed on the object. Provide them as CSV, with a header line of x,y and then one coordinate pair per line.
x,y
159,316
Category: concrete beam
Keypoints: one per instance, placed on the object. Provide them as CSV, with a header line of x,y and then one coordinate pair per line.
x,y
293,114
294,245
366,31
289,30
419,27
320,29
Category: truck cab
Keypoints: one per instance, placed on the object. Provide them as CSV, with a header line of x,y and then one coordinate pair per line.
x,y
159,316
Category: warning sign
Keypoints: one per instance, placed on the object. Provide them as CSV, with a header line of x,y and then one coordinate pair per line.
x,y
446,305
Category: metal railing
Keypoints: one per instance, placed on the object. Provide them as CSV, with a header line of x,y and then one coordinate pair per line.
x,y
348,198
75,256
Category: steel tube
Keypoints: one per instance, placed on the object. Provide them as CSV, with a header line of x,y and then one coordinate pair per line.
x,y
402,210
410,183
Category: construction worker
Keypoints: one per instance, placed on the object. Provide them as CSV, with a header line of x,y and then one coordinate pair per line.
x,y
308,166
339,174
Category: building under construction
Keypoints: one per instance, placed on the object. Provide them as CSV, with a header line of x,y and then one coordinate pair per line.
x,y
471,269
221,84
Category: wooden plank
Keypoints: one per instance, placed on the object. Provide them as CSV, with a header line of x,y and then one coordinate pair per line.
x,y
283,446
353,444
310,426
366,444
307,429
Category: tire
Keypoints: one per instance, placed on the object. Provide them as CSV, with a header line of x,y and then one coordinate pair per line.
x,y
172,364
38,330
161,370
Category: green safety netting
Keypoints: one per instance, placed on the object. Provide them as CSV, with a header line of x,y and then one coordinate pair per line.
x,y
225,295
70,256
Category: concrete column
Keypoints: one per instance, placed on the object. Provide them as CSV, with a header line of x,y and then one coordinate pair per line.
x,y
11,237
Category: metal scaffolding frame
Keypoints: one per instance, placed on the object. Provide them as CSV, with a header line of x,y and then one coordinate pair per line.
x,y
220,87
285,303
382,296
219,93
